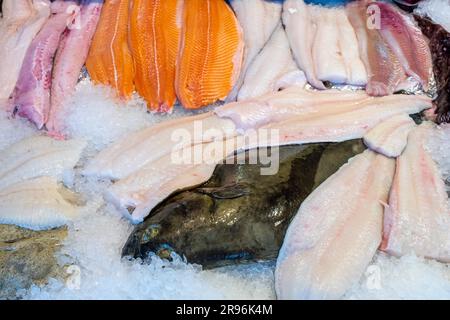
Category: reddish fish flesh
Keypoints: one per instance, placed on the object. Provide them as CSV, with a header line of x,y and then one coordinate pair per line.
x,y
390,137
417,218
31,96
336,232
69,60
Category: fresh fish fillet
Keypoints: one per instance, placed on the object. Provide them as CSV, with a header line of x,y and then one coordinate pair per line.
x,y
136,195
301,32
155,30
270,68
70,58
417,218
212,47
109,61
336,232
296,102
37,204
31,96
384,70
407,42
326,51
136,150
38,156
390,136
349,49
258,19
21,22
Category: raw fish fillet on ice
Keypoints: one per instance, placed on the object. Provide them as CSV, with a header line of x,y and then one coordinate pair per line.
x,y
384,70
140,192
391,136
38,156
155,30
407,42
301,32
109,61
211,53
417,219
31,95
336,232
272,68
134,151
258,19
22,20
37,204
70,58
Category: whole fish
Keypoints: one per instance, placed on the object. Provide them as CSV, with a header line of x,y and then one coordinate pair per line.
x,y
69,60
239,215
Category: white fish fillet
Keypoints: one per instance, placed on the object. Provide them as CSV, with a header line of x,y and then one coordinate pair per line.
x,y
258,19
417,219
134,151
270,67
336,232
301,32
38,156
326,50
37,204
136,195
21,23
390,137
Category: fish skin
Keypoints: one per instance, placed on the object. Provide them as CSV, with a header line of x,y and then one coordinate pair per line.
x,y
417,218
109,61
37,204
31,96
70,58
259,20
301,32
390,136
136,150
336,232
384,70
38,156
407,42
211,51
155,31
272,67
22,21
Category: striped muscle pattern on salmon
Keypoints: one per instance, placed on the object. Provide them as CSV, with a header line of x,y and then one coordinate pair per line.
x,y
110,61
210,54
154,37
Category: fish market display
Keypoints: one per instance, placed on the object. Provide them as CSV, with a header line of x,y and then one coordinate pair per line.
x,y
440,50
155,29
258,19
238,215
336,232
38,156
31,95
22,20
136,150
390,136
210,55
417,218
109,61
70,58
272,69
37,204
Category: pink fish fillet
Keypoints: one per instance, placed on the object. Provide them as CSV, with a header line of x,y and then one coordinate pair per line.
x,y
31,96
336,232
70,58
384,70
407,42
417,219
